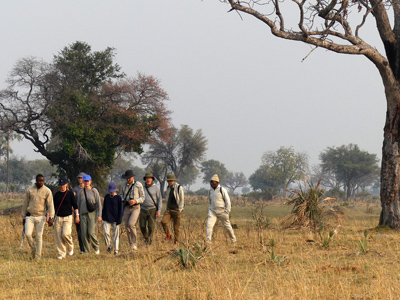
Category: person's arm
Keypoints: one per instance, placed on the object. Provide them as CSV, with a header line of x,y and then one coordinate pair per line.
x,y
99,209
141,193
120,210
75,207
227,200
50,204
25,206
159,202
181,198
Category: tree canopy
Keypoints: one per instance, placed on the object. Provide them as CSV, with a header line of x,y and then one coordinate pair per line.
x,y
211,167
338,26
177,152
78,111
351,167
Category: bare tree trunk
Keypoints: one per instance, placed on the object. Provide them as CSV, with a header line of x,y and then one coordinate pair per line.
x,y
390,214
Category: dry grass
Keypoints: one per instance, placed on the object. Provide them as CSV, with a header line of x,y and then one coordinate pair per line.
x,y
299,270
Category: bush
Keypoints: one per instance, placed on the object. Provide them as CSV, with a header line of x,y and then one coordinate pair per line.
x,y
307,206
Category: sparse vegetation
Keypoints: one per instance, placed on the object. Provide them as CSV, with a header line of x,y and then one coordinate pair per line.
x,y
285,268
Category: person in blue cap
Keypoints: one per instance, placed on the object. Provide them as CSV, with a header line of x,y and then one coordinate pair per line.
x,y
113,211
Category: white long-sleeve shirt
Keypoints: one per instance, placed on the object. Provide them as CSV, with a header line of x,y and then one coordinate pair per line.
x,y
219,201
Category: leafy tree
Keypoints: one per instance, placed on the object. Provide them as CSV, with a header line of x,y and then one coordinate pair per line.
x,y
189,177
264,180
352,167
285,165
178,153
336,26
22,172
235,180
76,114
211,167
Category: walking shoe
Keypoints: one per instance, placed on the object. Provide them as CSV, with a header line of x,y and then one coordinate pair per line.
x,y
168,238
59,257
97,252
70,253
115,253
82,252
134,247
109,250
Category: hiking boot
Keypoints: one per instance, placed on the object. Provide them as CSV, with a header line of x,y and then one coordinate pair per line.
x,y
168,238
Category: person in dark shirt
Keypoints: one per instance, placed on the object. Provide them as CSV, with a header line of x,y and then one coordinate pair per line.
x,y
175,202
64,202
113,211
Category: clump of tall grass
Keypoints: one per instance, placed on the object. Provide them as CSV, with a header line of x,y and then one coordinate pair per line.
x,y
189,256
309,206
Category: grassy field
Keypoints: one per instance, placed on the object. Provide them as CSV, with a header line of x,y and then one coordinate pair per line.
x,y
292,263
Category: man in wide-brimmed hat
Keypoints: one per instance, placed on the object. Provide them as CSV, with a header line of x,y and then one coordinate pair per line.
x,y
150,209
132,195
219,208
175,200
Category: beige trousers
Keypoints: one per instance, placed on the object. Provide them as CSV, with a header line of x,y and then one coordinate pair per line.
x,y
212,219
30,223
62,230
131,215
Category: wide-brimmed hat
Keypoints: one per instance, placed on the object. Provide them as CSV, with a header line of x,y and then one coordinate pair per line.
x,y
81,174
87,177
112,187
215,178
63,181
171,177
149,175
128,174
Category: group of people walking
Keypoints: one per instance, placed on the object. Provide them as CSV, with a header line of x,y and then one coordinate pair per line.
x,y
135,202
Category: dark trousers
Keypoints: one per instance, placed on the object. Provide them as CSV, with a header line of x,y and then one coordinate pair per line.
x,y
175,215
147,223
78,230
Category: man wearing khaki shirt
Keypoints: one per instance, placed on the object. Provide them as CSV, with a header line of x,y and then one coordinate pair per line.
x,y
132,195
38,202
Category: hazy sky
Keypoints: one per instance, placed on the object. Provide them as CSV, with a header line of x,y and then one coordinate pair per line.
x,y
248,91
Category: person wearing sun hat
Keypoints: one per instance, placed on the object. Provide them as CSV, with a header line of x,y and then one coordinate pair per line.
x,y
150,209
64,203
175,201
219,208
113,211
87,218
132,195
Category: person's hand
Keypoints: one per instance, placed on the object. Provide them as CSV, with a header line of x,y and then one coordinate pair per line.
x,y
99,219
132,202
158,214
77,219
50,222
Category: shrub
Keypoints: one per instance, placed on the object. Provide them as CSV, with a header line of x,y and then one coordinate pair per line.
x,y
307,206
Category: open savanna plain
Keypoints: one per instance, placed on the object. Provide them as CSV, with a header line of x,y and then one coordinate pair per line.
x,y
360,261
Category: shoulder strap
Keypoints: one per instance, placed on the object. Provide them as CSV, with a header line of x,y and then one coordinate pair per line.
x,y
151,196
66,192
129,191
220,189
